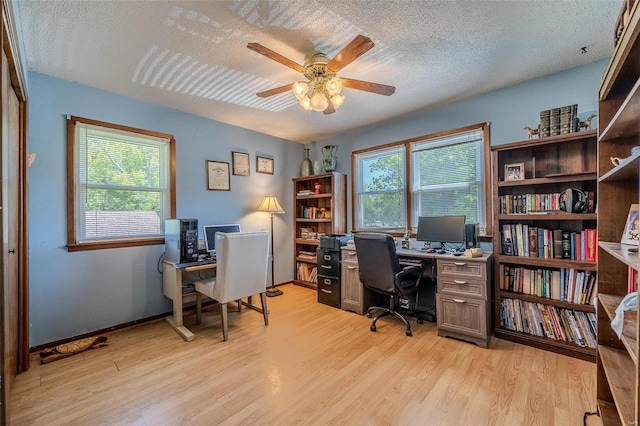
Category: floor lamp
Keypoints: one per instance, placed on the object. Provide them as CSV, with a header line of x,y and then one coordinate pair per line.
x,y
270,205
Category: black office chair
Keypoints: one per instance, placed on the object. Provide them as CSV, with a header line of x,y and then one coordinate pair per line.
x,y
381,272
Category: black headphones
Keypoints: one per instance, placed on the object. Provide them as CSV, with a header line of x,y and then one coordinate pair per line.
x,y
573,200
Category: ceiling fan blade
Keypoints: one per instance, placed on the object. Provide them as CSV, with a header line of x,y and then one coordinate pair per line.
x,y
352,51
329,109
274,91
258,48
381,89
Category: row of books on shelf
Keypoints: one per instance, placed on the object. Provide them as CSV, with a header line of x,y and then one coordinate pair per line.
x,y
539,203
556,121
564,284
525,240
306,272
308,255
548,321
315,213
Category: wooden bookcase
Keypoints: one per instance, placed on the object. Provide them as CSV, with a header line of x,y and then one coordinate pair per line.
x,y
618,377
551,166
316,214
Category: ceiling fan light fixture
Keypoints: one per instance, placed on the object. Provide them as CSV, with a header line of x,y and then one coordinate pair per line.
x,y
337,101
300,89
319,102
305,103
333,86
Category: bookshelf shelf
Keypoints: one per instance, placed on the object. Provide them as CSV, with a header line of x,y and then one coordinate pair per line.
x,y
309,226
552,165
618,374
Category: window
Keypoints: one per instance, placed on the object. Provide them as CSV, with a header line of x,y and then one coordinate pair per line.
x,y
446,175
120,185
380,190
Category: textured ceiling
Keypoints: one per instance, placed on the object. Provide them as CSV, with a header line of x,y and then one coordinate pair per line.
x,y
192,55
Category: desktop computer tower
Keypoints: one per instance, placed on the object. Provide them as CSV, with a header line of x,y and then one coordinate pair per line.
x,y
471,237
181,240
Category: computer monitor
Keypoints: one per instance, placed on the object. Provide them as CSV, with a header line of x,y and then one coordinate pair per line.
x,y
209,232
441,229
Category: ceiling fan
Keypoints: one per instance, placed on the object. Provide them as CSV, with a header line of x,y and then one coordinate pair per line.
x,y
321,91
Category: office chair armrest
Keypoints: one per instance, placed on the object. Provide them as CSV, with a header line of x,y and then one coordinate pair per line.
x,y
407,272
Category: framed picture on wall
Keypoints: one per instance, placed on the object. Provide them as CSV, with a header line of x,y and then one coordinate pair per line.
x,y
264,165
218,176
240,161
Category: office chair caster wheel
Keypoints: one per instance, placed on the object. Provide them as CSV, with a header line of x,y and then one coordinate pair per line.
x,y
409,333
373,328
420,321
369,315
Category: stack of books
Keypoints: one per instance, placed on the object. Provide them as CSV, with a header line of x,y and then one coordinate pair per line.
x,y
557,121
304,192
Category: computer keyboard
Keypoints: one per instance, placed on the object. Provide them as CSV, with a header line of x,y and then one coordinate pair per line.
x,y
195,263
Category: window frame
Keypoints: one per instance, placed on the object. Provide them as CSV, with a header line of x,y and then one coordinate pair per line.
x,y
72,243
407,143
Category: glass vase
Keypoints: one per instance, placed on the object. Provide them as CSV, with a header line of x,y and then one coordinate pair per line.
x,y
306,168
329,157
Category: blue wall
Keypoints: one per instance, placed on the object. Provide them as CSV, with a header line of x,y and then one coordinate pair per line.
x,y
75,293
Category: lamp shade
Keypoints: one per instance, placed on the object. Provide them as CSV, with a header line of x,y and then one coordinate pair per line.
x,y
270,204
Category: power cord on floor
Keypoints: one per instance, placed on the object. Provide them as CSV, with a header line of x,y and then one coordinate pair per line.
x,y
159,263
587,414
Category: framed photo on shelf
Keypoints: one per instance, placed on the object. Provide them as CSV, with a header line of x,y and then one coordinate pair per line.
x,y
514,171
218,176
264,165
240,161
631,233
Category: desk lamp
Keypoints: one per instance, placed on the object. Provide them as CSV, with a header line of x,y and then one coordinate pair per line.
x,y
270,205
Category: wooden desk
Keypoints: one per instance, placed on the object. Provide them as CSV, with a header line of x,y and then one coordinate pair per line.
x,y
172,288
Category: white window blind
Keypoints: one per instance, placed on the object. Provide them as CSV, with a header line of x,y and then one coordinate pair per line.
x,y
122,184
380,189
448,177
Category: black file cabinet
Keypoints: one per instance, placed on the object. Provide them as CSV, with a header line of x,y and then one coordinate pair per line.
x,y
329,276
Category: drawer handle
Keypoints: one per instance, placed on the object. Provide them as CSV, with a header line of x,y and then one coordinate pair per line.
x,y
459,263
459,301
327,291
350,254
459,282
326,267
351,267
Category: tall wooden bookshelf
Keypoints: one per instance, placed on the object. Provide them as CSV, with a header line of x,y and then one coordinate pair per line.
x,y
528,280
320,209
618,376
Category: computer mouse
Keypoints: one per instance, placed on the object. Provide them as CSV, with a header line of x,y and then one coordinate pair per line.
x,y
457,253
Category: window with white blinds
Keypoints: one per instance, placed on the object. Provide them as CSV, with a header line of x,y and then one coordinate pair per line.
x,y
122,183
448,177
444,175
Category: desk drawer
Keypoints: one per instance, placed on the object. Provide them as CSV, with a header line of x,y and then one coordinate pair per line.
x,y
328,262
350,257
462,287
465,316
463,268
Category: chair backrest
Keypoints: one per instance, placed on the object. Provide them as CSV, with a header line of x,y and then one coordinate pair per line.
x,y
242,264
377,261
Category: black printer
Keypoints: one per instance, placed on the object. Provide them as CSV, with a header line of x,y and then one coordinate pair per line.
x,y
334,241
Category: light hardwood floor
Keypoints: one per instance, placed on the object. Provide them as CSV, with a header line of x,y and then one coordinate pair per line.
x,y
312,365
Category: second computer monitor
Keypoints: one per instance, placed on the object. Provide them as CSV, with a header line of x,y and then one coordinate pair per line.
x,y
210,234
441,229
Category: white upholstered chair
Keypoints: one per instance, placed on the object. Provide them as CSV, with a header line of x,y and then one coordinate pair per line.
x,y
242,266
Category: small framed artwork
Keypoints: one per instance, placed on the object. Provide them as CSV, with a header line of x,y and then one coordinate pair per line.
x,y
514,171
240,162
264,165
631,233
218,176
